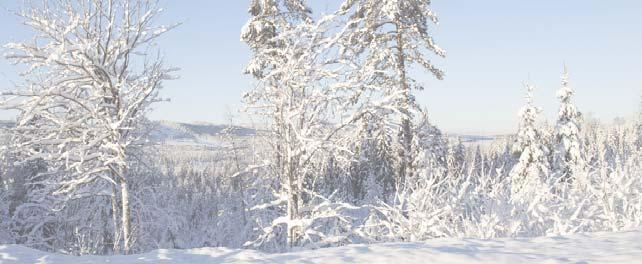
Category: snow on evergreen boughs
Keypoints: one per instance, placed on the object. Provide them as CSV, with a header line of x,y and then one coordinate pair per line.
x,y
532,169
308,112
385,39
567,160
373,174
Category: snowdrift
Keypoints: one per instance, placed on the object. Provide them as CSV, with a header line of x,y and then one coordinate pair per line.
x,y
622,247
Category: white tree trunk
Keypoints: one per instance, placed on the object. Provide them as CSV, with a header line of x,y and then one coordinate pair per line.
x,y
126,221
293,202
114,209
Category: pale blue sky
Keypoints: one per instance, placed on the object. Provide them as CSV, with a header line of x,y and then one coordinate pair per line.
x,y
493,46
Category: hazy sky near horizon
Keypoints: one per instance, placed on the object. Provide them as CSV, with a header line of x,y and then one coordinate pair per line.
x,y
492,48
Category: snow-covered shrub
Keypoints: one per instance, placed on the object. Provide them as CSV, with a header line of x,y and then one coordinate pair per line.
x,y
482,203
6,189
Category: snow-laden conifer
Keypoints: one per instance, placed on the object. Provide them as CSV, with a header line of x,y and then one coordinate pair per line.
x,y
532,169
372,174
567,156
387,39
455,157
301,96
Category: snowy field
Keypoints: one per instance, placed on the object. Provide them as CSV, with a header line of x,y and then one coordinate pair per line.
x,y
623,247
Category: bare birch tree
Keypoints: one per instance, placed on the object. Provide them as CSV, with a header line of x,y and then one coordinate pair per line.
x,y
89,85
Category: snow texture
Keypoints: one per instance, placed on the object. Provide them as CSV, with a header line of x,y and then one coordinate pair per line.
x,y
622,247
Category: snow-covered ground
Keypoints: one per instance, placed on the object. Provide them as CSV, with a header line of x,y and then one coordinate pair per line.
x,y
623,247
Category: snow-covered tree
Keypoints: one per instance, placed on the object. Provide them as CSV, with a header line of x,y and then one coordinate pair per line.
x,y
387,39
532,169
639,128
430,145
269,19
372,174
345,155
8,189
89,86
455,157
269,33
302,100
567,156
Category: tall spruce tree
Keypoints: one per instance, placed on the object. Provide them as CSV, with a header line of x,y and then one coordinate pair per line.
x,y
533,167
388,38
270,33
567,156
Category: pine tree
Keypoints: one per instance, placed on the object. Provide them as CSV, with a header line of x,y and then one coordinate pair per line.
x,y
362,170
455,158
478,162
430,141
299,93
430,149
270,18
532,168
271,34
567,159
373,170
386,38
